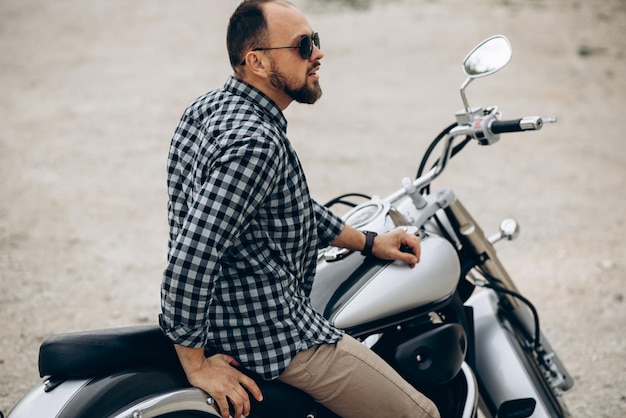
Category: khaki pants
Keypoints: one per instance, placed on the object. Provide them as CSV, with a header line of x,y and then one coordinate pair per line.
x,y
352,381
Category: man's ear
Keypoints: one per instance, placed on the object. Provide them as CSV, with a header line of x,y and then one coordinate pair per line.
x,y
258,63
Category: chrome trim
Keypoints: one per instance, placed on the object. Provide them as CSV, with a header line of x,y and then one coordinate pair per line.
x,y
501,365
509,230
191,399
376,208
471,404
531,123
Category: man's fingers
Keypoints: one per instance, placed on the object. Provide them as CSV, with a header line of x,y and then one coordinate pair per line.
x,y
410,259
227,387
238,399
408,243
222,404
242,403
251,385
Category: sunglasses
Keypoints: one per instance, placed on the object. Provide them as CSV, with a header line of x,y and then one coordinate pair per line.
x,y
305,46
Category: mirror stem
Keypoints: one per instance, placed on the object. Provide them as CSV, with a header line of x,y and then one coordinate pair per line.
x,y
463,87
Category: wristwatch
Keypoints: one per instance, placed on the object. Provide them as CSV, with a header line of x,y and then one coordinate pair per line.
x,y
369,243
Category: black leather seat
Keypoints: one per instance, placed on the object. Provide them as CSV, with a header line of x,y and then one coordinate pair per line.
x,y
92,354
95,353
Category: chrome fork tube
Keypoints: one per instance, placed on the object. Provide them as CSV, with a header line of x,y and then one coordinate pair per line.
x,y
471,235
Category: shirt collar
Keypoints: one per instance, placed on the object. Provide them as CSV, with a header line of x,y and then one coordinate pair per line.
x,y
248,92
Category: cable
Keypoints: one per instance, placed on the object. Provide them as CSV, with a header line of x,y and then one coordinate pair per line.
x,y
488,284
431,148
339,199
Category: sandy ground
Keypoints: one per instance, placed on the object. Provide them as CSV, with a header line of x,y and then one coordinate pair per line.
x,y
90,93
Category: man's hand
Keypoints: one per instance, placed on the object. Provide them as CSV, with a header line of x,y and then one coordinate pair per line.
x,y
397,245
218,376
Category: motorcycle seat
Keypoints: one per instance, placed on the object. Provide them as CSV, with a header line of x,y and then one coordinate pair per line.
x,y
94,353
100,353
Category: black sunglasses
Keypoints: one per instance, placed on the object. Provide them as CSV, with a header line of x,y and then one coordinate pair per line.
x,y
305,46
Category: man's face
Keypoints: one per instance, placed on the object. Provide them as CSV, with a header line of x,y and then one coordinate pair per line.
x,y
302,90
292,76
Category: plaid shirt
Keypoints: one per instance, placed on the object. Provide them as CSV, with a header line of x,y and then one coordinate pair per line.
x,y
244,234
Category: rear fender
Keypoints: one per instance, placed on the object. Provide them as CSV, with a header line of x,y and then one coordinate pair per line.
x,y
152,392
98,396
42,404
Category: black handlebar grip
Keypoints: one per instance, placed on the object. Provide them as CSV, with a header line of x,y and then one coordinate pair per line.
x,y
503,126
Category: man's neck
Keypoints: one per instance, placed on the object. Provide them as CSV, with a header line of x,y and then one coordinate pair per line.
x,y
281,99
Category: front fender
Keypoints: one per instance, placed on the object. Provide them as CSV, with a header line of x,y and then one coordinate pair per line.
x,y
505,369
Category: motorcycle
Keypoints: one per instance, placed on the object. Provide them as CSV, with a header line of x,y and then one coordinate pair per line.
x,y
455,326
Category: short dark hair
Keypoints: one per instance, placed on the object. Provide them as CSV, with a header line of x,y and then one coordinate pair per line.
x,y
247,30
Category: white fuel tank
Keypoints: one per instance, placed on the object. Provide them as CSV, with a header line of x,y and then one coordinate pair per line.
x,y
395,287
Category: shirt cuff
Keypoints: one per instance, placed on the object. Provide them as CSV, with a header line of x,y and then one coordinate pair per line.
x,y
329,225
182,335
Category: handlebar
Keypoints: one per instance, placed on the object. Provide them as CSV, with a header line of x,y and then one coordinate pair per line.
x,y
531,123
485,128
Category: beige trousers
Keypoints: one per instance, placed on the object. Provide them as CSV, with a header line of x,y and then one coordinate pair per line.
x,y
352,381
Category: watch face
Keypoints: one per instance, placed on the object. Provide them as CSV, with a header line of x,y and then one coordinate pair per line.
x,y
363,215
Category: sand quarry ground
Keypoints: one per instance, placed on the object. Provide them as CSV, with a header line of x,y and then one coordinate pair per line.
x,y
90,93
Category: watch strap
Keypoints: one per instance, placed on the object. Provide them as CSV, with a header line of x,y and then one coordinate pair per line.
x,y
369,243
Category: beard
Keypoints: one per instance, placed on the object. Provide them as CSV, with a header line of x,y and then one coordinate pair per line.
x,y
300,93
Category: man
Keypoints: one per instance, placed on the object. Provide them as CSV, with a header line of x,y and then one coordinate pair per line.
x,y
244,236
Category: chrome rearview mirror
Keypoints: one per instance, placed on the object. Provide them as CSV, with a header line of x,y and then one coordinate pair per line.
x,y
489,56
